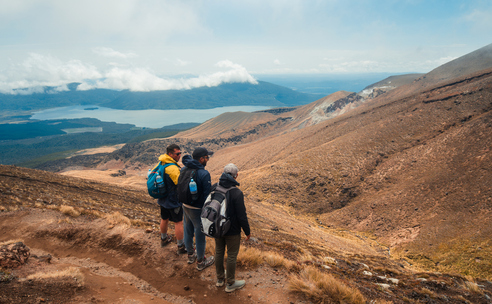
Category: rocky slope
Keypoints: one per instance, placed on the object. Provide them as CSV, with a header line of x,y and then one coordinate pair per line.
x,y
86,241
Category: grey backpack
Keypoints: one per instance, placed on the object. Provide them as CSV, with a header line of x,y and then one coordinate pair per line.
x,y
215,222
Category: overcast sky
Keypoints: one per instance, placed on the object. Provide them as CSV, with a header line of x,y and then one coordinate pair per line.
x,y
146,45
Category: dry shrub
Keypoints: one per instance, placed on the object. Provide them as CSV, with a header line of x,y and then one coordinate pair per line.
x,y
139,223
69,210
323,288
117,218
249,256
65,220
428,292
93,212
471,286
71,272
276,260
52,207
10,242
382,301
329,261
307,258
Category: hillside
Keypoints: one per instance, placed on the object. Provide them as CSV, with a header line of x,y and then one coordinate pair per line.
x,y
410,166
82,240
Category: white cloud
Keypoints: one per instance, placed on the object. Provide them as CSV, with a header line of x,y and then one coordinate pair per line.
x,y
276,62
38,71
182,63
109,52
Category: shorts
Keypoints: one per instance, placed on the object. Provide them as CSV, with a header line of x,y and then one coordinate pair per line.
x,y
174,215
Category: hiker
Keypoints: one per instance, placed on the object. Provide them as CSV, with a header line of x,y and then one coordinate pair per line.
x,y
192,206
171,208
236,212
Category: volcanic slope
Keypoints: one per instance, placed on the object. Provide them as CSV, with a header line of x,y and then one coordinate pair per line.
x,y
95,242
416,172
411,166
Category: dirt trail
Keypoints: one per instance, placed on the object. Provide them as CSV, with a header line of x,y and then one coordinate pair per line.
x,y
127,265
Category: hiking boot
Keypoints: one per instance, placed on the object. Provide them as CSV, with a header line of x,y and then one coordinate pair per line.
x,y
220,282
192,258
166,241
182,249
205,263
236,285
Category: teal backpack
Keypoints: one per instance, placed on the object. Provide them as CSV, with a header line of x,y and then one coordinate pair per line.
x,y
156,184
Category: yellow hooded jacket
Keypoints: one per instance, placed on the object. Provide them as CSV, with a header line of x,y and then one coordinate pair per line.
x,y
170,201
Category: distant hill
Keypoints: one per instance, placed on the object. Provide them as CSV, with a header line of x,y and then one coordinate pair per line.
x,y
262,94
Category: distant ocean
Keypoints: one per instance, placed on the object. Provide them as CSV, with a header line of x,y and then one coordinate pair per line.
x,y
325,83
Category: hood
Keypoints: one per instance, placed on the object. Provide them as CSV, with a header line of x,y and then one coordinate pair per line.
x,y
191,163
166,159
227,181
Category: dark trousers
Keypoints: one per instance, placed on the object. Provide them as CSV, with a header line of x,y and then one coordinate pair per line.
x,y
232,242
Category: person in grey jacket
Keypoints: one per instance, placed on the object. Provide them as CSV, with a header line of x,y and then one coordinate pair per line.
x,y
236,212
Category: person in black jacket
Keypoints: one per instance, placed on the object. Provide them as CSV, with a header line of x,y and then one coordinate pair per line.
x,y
236,212
193,210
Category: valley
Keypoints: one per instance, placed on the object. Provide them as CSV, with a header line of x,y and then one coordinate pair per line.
x,y
386,194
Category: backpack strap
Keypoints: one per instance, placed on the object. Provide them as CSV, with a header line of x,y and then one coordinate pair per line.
x,y
222,189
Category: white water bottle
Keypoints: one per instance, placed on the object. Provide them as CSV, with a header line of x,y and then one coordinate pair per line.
x,y
159,182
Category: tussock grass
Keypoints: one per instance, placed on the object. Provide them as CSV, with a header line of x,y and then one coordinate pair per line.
x,y
249,256
380,301
471,285
10,242
276,260
308,258
117,218
428,292
69,210
329,260
323,288
93,212
71,272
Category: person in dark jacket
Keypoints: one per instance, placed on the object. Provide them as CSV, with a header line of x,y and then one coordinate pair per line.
x,y
192,211
236,212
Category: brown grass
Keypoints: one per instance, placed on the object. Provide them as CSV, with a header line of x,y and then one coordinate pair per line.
x,y
10,242
69,210
276,260
249,256
117,218
471,285
323,288
71,272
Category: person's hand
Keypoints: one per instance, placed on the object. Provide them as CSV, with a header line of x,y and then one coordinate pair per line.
x,y
247,237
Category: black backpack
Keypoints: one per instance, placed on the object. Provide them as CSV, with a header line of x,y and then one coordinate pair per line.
x,y
183,187
215,222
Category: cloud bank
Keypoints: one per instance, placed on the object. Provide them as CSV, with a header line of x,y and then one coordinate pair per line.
x,y
38,72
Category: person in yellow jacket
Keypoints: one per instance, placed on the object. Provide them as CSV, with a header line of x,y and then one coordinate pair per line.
x,y
171,208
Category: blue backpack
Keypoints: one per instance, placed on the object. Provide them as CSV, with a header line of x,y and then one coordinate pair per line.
x,y
156,184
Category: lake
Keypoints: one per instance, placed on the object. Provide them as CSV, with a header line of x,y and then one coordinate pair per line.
x,y
140,118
